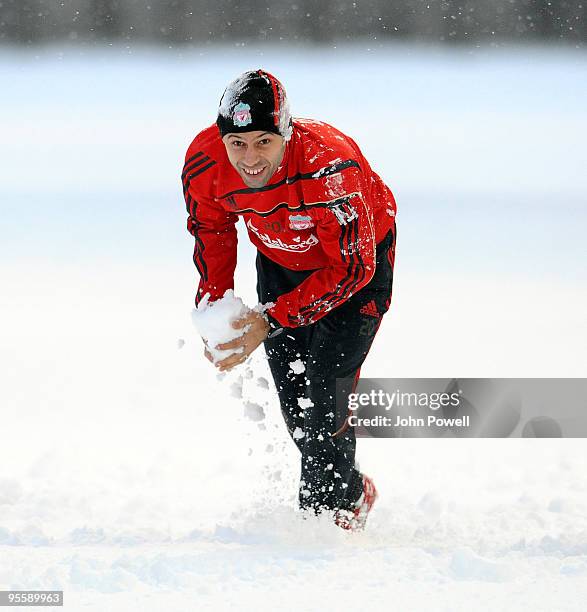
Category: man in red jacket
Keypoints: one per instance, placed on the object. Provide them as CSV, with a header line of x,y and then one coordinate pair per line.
x,y
323,223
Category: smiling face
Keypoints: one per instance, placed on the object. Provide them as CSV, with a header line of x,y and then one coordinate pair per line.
x,y
255,155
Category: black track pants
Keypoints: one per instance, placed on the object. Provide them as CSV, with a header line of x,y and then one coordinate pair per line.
x,y
333,347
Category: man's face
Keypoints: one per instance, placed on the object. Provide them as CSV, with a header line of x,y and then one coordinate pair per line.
x,y
255,155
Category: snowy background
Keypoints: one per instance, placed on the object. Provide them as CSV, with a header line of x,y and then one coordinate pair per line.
x,y
131,477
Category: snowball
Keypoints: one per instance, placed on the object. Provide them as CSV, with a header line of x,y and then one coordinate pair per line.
x,y
297,366
254,412
305,402
213,322
298,434
263,382
236,388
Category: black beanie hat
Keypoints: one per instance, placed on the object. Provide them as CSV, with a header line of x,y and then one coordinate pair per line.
x,y
255,100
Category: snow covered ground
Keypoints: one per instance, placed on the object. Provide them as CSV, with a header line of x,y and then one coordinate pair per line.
x,y
133,479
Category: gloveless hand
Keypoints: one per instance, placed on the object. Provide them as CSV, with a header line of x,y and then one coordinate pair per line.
x,y
249,341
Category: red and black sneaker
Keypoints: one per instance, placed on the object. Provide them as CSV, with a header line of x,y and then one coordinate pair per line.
x,y
354,520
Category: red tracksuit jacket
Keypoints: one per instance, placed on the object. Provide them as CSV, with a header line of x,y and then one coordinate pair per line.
x,y
324,209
